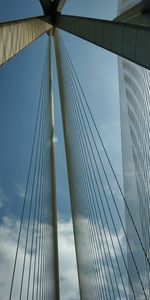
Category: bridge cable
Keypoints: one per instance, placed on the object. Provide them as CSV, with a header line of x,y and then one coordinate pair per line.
x,y
26,190
74,81
88,156
36,203
107,156
80,119
117,212
88,184
39,135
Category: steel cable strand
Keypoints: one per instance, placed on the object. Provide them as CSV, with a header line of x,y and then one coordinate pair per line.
x,y
121,222
33,229
38,222
43,297
26,190
95,180
31,201
67,89
92,180
106,219
44,263
90,200
107,156
40,229
43,256
124,260
112,286
68,164
46,238
47,232
39,247
43,197
46,137
39,232
89,184
42,293
46,175
98,245
52,176
127,242
134,225
48,198
41,252
89,143
44,221
35,210
43,215
100,293
47,163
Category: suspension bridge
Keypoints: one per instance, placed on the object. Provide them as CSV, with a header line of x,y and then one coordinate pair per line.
x,y
113,256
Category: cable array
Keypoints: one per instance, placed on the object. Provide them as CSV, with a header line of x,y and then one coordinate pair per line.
x,y
112,259
33,268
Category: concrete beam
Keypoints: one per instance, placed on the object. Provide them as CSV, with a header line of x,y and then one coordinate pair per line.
x,y
130,41
16,35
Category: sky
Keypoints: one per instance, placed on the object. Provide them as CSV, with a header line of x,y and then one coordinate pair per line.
x,y
19,90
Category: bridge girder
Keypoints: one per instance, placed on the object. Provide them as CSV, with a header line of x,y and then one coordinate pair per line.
x,y
127,36
16,35
131,41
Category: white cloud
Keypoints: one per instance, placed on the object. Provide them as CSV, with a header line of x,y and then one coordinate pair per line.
x,y
8,242
3,197
97,258
68,268
7,253
20,191
69,289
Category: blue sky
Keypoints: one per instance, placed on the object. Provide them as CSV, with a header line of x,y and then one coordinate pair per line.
x,y
103,74
98,72
19,92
